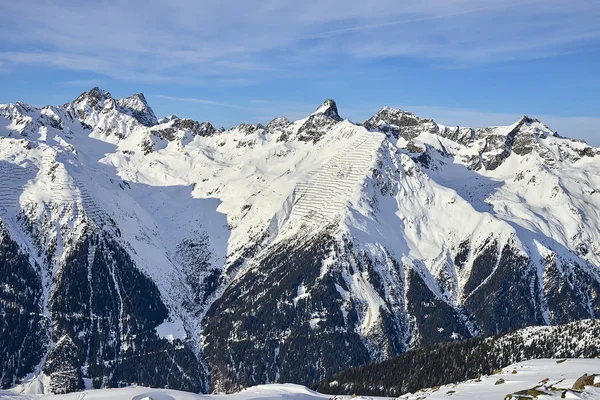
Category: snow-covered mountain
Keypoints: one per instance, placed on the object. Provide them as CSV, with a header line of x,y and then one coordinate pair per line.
x,y
169,253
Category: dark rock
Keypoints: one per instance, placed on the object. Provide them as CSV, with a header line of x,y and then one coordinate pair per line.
x,y
583,381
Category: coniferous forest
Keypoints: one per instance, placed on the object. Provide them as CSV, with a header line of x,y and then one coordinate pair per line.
x,y
445,363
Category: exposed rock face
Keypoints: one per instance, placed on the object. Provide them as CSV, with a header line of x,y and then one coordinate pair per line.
x,y
277,124
107,311
585,380
317,124
399,123
101,313
311,328
139,109
200,129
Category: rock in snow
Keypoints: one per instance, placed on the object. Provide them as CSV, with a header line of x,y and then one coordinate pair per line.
x,y
287,252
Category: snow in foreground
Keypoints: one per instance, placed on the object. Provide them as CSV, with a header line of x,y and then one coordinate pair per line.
x,y
547,378
263,392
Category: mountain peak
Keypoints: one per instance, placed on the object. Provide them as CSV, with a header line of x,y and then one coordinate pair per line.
x,y
329,109
393,121
526,119
168,118
93,97
138,107
534,126
138,98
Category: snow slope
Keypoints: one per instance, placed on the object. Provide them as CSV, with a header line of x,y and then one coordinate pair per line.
x,y
273,392
549,377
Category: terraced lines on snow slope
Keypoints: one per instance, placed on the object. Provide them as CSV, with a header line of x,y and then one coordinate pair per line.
x,y
12,179
324,197
89,205
67,189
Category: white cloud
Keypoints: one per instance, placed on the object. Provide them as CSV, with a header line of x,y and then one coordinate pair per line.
x,y
197,101
200,42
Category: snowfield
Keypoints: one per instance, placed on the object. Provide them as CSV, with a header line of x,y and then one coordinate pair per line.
x,y
547,378
540,379
262,392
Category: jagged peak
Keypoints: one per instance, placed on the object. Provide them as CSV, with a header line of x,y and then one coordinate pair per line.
x,y
248,128
329,109
526,122
168,118
134,105
526,119
23,107
94,95
198,128
139,108
391,119
136,100
388,109
277,123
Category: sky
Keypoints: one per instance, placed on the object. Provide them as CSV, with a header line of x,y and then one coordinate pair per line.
x,y
461,62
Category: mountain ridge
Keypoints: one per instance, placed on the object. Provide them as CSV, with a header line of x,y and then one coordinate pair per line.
x,y
328,108
230,254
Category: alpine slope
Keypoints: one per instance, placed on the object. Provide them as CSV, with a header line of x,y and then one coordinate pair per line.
x,y
167,253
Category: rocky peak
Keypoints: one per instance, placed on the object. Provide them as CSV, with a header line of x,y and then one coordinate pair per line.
x,y
97,101
317,124
206,129
395,122
391,117
137,106
462,135
247,128
277,124
197,128
525,137
168,118
525,119
328,109
22,107
95,98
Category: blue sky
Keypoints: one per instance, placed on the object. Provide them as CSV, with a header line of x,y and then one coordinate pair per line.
x,y
461,62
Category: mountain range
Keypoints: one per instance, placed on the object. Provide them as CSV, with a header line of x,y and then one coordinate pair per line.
x,y
168,253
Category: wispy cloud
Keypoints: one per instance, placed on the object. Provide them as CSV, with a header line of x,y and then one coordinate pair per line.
x,y
216,41
86,83
197,101
422,19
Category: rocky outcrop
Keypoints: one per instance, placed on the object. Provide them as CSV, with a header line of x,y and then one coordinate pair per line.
x,y
319,122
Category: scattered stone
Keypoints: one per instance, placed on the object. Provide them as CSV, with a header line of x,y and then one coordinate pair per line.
x,y
583,381
529,393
